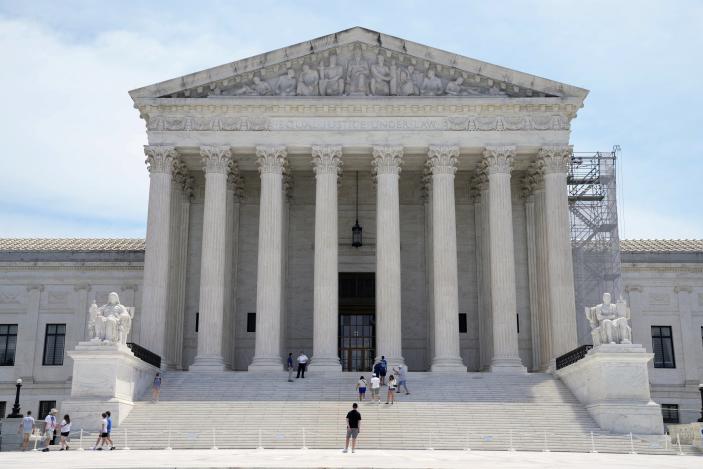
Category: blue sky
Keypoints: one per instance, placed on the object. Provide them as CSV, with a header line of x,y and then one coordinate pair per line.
x,y
71,162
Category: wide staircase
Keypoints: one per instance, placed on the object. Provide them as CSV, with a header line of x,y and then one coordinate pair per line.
x,y
478,411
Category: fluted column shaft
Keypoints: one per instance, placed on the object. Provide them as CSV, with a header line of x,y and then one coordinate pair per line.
x,y
217,161
442,161
271,160
530,222
387,161
555,164
327,164
498,164
159,161
485,306
542,278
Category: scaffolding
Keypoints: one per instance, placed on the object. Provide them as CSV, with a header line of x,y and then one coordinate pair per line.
x,y
595,244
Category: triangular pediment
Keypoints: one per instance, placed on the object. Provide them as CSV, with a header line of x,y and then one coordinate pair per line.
x,y
358,62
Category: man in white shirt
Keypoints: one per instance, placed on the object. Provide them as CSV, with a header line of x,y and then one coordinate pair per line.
x,y
375,389
302,364
49,427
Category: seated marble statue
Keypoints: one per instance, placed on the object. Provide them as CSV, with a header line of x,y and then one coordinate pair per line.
x,y
609,322
331,78
262,88
308,82
110,323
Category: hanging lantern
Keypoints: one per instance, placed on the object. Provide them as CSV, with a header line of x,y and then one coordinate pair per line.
x,y
357,229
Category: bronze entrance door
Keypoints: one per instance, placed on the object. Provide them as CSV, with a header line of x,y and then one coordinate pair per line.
x,y
357,325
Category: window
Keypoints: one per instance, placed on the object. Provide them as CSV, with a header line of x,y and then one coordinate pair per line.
x,y
463,326
3,407
663,346
670,412
251,322
54,342
8,344
197,321
44,409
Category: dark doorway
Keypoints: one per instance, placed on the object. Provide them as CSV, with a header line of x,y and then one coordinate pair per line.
x,y
357,320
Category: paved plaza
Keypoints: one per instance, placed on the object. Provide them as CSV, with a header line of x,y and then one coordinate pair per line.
x,y
334,458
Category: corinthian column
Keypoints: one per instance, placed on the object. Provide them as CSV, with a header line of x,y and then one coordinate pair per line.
x,y
159,162
327,164
217,161
267,353
442,161
554,162
387,160
498,164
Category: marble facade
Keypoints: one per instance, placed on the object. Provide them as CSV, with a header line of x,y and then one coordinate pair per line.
x,y
440,135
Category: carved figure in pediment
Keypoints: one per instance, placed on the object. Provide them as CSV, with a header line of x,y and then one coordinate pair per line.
x,y
455,88
380,78
286,85
432,85
331,78
394,78
417,77
357,75
262,87
308,82
244,90
407,86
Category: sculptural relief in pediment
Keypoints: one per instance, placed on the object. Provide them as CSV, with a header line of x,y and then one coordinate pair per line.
x,y
358,70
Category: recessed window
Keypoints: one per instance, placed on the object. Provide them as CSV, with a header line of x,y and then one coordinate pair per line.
x,y
3,408
44,409
670,412
463,326
8,345
197,321
54,342
663,347
251,322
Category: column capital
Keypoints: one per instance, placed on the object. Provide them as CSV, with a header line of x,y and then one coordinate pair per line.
x,y
631,288
387,159
327,159
682,289
216,158
271,159
553,159
442,159
81,286
37,287
498,159
531,183
160,158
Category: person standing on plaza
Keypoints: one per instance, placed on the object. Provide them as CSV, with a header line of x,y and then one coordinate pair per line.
x,y
302,364
390,397
65,432
361,387
156,388
49,428
401,372
353,426
289,364
26,428
102,437
376,389
109,430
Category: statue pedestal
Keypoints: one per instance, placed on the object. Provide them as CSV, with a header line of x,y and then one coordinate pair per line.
x,y
105,377
612,381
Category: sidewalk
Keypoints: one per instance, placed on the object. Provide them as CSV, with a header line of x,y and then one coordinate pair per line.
x,y
199,459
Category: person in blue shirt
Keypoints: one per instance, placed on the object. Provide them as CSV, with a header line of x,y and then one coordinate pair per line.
x,y
109,429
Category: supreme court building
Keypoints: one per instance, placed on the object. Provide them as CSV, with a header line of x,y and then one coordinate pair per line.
x,y
452,171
